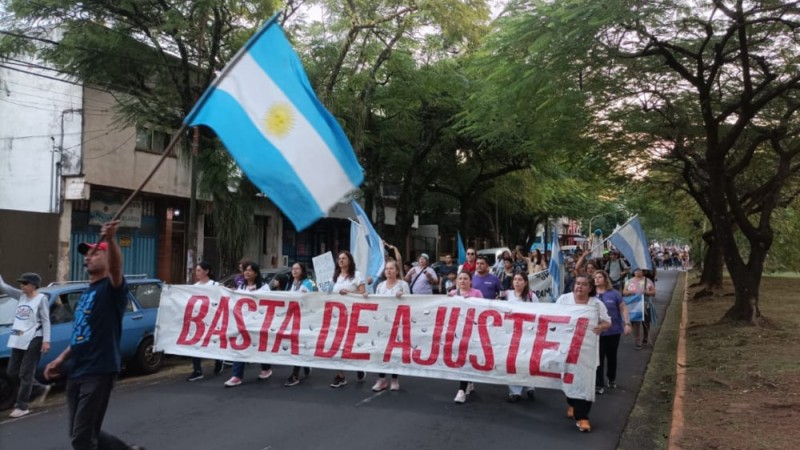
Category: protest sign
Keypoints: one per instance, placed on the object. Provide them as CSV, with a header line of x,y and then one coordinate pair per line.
x,y
530,344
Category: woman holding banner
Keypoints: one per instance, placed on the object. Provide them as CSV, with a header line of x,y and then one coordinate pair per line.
x,y
578,408
299,283
347,280
609,340
641,285
520,293
203,277
464,289
396,286
253,282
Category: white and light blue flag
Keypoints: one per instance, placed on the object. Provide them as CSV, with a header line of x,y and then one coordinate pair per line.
x,y
264,110
375,256
556,266
635,304
630,240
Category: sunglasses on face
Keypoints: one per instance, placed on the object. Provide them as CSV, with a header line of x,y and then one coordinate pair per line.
x,y
23,283
470,253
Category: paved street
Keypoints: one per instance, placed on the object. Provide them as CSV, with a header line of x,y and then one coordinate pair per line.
x,y
165,413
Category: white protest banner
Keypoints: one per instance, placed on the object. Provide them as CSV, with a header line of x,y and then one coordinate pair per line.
x,y
529,344
323,270
541,283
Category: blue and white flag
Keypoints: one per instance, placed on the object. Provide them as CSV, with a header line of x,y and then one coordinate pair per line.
x,y
630,240
375,255
264,110
462,253
635,304
556,265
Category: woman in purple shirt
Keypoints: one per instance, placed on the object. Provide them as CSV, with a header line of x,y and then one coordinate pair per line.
x,y
609,339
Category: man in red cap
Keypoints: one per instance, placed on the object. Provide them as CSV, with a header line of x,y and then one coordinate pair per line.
x,y
94,351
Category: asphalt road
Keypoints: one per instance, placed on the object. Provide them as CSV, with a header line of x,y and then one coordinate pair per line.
x,y
166,412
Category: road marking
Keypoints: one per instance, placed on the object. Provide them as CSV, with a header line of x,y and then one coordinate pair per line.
x,y
370,398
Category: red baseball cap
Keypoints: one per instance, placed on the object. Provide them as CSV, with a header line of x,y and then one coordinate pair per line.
x,y
84,247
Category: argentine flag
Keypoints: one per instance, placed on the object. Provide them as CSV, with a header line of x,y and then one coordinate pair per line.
x,y
630,240
264,110
635,305
555,266
367,242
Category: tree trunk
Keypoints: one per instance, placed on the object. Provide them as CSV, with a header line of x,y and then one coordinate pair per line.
x,y
746,281
712,262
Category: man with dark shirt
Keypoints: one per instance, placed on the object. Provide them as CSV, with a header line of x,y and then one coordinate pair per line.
x,y
485,281
94,351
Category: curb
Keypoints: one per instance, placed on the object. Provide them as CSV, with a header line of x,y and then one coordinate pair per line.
x,y
678,424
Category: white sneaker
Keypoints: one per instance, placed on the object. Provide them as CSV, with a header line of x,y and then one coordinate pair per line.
x,y
380,385
470,388
16,413
395,384
233,382
461,397
265,374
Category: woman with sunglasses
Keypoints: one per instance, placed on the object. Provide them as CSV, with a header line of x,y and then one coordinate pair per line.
x,y
29,338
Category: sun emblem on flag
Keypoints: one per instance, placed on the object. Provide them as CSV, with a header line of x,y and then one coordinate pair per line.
x,y
279,119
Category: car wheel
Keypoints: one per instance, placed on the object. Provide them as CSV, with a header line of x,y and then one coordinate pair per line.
x,y
8,390
147,360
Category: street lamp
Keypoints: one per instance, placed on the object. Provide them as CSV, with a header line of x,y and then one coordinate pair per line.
x,y
602,215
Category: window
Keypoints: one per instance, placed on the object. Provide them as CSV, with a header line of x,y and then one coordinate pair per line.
x,y
63,308
151,141
149,294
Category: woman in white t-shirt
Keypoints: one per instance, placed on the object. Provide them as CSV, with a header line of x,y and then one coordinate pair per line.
x,y
520,293
396,286
253,282
578,408
347,280
203,276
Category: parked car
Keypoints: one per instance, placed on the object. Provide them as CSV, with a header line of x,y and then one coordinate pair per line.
x,y
492,254
138,327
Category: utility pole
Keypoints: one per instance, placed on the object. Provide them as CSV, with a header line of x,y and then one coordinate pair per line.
x,y
191,230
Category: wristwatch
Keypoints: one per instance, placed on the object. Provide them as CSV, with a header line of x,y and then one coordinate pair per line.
x,y
627,324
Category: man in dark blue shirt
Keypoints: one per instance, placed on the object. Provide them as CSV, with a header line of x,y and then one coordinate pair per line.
x,y
94,351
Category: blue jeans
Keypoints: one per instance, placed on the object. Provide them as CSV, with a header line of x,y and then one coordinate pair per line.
x,y
87,400
238,369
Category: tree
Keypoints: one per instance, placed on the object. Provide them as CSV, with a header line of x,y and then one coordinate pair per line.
x,y
710,93
156,58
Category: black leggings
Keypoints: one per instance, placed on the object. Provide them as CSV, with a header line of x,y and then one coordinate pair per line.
x,y
608,351
581,408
